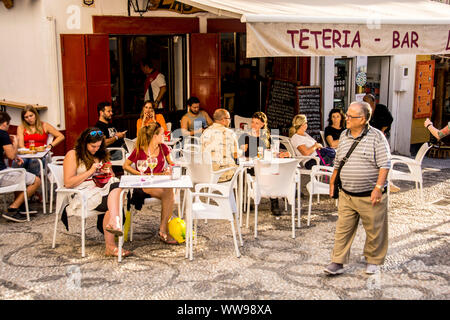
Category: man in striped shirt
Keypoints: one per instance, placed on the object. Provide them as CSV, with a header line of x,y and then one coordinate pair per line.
x,y
363,180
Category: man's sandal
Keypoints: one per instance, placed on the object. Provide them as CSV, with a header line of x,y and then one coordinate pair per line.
x,y
165,238
115,253
116,232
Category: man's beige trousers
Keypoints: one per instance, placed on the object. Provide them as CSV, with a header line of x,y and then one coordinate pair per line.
x,y
375,222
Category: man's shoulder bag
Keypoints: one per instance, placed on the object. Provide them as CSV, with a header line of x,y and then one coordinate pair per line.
x,y
337,180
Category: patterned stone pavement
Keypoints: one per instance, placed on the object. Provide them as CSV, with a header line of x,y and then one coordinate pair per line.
x,y
274,266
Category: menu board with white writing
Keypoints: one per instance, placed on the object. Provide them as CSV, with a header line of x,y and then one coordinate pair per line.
x,y
281,106
309,101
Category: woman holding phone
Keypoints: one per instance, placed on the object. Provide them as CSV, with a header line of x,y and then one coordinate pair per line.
x,y
148,116
87,159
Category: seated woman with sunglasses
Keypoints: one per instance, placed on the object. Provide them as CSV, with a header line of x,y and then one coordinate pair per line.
x,y
149,144
80,164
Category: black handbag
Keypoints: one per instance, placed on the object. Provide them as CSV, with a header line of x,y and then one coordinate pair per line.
x,y
337,180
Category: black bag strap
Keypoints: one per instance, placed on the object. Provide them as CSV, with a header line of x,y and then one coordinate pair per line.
x,y
344,160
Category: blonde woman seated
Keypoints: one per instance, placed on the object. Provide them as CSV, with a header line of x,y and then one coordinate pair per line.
x,y
80,164
148,116
303,143
149,144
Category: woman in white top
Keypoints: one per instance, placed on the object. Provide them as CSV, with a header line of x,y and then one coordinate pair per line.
x,y
303,143
88,158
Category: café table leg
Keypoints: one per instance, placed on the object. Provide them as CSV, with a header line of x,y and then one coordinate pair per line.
x,y
120,242
42,185
240,196
299,208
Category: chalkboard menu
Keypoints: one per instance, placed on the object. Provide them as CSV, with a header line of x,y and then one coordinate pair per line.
x,y
309,100
281,105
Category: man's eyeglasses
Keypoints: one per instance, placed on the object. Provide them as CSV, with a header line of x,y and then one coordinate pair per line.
x,y
96,133
352,117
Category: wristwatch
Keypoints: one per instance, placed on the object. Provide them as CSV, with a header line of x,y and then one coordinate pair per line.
x,y
379,186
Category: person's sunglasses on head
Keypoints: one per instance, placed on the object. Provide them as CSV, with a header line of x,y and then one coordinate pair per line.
x,y
96,133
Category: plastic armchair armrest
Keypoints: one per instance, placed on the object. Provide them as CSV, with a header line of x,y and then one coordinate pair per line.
x,y
303,159
216,174
9,170
220,200
321,173
69,191
208,195
409,163
212,187
122,150
405,160
177,151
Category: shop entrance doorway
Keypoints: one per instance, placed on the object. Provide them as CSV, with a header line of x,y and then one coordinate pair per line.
x,y
167,55
243,81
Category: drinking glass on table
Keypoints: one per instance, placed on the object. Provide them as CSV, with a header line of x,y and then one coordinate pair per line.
x,y
142,166
32,145
152,163
260,153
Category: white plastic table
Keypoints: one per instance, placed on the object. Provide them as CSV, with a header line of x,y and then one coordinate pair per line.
x,y
159,181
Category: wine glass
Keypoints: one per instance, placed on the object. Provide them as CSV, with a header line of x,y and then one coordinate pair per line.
x,y
142,166
152,163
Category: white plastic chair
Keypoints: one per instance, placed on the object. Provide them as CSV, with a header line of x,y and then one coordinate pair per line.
x,y
50,138
121,161
223,206
62,195
130,143
238,120
285,143
275,179
414,167
192,147
317,186
199,167
191,140
322,135
20,185
57,160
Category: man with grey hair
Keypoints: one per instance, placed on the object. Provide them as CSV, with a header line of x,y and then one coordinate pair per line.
x,y
220,142
362,191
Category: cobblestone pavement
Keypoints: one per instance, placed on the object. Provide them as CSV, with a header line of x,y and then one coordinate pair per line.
x,y
273,266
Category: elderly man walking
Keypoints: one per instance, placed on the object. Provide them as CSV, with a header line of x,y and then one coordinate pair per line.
x,y
362,193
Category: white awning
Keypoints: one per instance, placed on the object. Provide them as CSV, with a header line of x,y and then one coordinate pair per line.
x,y
338,28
